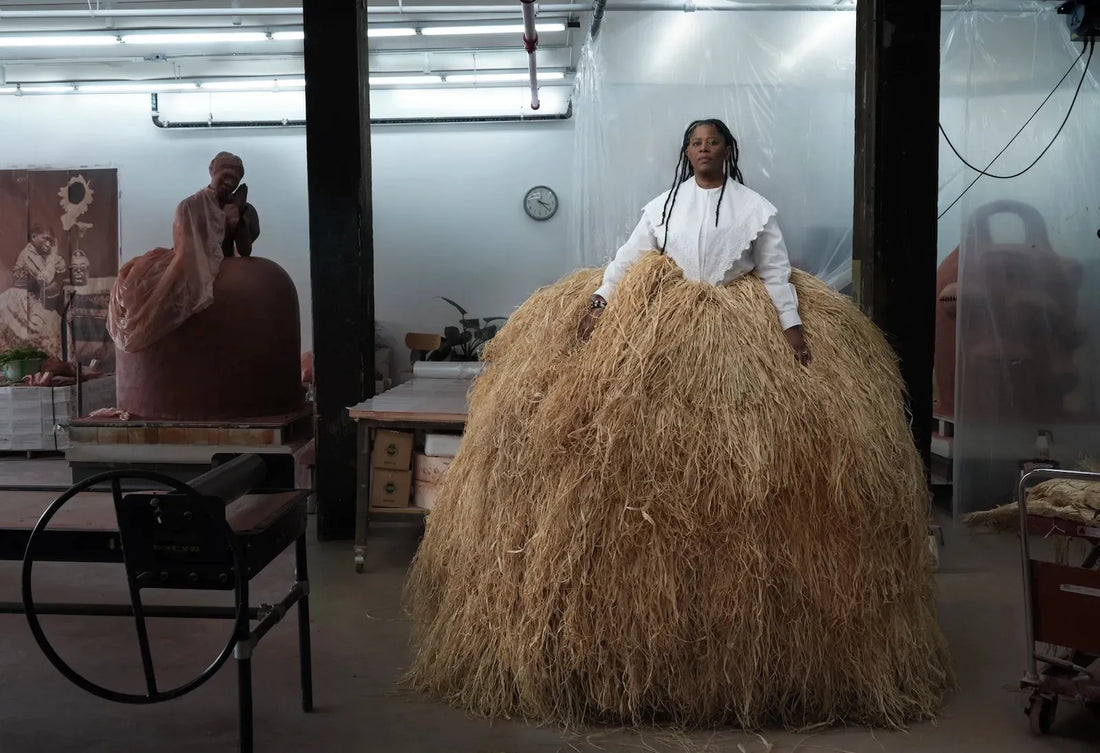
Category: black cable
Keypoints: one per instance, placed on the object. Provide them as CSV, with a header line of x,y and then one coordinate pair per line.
x,y
1091,46
1025,125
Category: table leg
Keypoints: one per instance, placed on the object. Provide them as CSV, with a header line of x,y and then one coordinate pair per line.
x,y
362,495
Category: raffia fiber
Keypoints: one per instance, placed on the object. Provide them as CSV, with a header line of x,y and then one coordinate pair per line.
x,y
1067,499
677,523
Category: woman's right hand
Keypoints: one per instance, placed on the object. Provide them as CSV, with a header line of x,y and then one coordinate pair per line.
x,y
588,323
232,218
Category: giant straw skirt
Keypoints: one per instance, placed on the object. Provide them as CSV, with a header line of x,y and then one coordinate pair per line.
x,y
677,523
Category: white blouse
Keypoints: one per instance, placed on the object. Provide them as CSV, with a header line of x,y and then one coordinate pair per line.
x,y
747,239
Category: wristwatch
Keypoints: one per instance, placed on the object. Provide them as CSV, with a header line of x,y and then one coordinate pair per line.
x,y
597,303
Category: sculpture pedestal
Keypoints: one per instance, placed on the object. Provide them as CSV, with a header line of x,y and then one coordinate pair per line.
x,y
239,357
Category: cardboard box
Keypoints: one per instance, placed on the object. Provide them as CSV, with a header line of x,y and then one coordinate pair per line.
x,y
424,494
390,488
442,445
428,469
393,450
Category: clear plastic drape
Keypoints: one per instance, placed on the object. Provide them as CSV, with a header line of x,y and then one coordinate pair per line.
x,y
783,81
1019,279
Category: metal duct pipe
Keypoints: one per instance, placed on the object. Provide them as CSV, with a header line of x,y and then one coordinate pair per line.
x,y
394,10
531,42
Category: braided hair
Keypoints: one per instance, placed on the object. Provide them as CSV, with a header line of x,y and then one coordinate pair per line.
x,y
685,170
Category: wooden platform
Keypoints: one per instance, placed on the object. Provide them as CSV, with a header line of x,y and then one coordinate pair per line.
x,y
284,429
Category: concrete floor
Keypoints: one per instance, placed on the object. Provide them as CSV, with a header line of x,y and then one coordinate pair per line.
x,y
360,647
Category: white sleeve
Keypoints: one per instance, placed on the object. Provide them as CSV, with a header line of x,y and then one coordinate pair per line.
x,y
641,240
773,266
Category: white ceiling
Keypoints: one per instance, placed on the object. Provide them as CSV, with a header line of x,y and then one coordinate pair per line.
x,y
279,58
409,55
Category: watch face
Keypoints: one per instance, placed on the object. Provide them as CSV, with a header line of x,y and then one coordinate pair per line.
x,y
540,203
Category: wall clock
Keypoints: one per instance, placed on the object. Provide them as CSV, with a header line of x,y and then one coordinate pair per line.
x,y
540,203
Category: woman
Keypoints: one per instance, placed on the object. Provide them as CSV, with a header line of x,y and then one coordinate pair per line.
x,y
676,522
744,236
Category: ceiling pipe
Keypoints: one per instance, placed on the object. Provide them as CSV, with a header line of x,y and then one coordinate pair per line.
x,y
393,10
597,19
147,12
288,123
531,43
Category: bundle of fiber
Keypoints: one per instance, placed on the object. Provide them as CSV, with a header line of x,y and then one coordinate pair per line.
x,y
677,523
1066,499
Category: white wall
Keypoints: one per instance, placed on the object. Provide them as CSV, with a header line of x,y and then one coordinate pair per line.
x,y
448,218
157,168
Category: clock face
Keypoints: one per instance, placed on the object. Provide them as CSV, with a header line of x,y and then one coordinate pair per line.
x,y
540,203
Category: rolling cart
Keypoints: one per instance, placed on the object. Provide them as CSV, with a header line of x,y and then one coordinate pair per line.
x,y
1062,610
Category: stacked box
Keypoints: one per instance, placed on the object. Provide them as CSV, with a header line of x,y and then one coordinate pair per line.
x,y
21,418
34,418
391,478
439,451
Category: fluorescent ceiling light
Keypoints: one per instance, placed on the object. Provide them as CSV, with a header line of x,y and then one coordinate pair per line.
x,y
175,86
137,86
255,84
47,89
404,80
195,38
288,36
501,78
440,31
59,40
390,31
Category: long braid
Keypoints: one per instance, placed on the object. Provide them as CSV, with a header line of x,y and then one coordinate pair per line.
x,y
684,170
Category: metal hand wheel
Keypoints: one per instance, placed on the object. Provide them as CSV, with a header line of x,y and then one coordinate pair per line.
x,y
240,585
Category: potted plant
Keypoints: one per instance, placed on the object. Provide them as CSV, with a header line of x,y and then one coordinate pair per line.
x,y
20,362
464,342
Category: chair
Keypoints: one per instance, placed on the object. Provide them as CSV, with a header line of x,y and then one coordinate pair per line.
x,y
420,344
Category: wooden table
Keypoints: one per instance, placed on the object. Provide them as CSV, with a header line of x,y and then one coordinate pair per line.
x,y
422,404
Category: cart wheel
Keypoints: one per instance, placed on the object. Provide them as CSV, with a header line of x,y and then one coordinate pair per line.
x,y
1041,710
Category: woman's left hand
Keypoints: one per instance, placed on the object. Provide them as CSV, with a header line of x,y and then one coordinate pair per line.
x,y
798,343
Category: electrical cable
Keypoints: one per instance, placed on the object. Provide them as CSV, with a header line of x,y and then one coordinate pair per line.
x,y
1090,46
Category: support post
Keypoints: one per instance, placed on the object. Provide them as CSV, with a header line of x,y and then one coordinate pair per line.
x,y
896,170
341,245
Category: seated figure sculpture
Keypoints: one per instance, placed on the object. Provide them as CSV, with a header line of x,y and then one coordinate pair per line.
x,y
205,330
156,292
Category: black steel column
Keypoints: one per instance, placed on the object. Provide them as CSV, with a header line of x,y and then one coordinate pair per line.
x,y
896,169
341,245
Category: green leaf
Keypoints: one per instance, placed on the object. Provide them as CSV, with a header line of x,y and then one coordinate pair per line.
x,y
470,323
448,300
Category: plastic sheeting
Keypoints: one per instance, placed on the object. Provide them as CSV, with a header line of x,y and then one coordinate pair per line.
x,y
783,81
1027,313
159,290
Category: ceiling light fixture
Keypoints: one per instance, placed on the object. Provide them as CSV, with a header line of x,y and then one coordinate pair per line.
x,y
45,89
441,31
501,78
254,85
59,40
140,87
195,37
405,80
390,31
